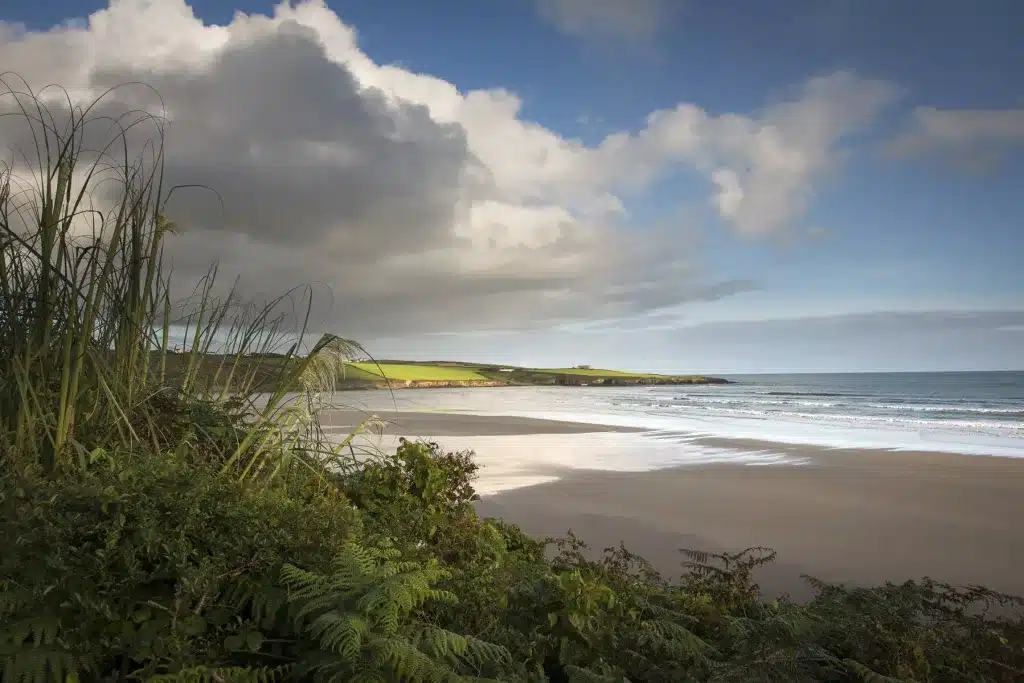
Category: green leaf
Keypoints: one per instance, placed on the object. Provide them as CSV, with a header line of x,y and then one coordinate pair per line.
x,y
552,618
254,640
193,625
576,620
218,616
142,614
234,642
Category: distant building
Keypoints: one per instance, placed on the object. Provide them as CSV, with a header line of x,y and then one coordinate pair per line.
x,y
583,367
506,370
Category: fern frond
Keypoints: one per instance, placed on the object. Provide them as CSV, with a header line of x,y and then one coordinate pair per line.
x,y
581,675
360,621
341,633
38,664
869,676
205,674
39,630
674,639
440,642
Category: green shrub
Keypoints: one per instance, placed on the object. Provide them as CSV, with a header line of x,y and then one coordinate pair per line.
x,y
422,497
131,566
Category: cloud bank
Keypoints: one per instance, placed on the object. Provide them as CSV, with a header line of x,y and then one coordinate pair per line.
x,y
421,206
619,19
977,139
861,342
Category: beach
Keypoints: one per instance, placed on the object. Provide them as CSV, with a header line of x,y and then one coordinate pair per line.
x,y
854,515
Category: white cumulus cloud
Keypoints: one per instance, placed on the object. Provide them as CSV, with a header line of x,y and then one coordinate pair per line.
x,y
422,206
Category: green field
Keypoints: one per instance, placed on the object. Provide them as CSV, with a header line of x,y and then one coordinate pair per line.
x,y
410,372
450,371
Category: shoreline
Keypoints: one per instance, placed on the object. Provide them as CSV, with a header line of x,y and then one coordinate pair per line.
x,y
444,422
413,424
857,516
399,385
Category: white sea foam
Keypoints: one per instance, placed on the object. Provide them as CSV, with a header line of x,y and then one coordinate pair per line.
x,y
809,430
977,415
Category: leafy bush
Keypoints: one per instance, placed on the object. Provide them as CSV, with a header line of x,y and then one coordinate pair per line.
x,y
130,566
419,491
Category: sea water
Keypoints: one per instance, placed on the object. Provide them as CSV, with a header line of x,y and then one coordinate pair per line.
x,y
978,413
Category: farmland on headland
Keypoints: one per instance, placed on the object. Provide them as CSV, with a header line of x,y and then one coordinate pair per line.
x,y
414,374
396,374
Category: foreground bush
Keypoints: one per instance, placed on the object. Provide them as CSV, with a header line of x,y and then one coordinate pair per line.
x,y
181,517
156,568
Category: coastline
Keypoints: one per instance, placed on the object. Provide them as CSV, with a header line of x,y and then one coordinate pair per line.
x,y
614,383
861,516
414,424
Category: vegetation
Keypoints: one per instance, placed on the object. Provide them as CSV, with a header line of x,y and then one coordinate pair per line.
x,y
412,372
159,528
396,374
442,373
354,374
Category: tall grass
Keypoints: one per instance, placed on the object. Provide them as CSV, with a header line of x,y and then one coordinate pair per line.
x,y
86,308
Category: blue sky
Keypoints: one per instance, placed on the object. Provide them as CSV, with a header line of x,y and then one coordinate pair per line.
x,y
937,232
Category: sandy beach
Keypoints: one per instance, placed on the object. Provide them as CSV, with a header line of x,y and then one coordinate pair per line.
x,y
415,425
850,515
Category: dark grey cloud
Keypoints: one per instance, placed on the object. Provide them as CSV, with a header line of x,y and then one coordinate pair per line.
x,y
300,153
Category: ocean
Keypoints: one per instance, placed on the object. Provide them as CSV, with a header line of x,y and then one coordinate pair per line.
x,y
978,413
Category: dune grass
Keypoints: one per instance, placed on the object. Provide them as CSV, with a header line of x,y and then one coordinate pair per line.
x,y
161,526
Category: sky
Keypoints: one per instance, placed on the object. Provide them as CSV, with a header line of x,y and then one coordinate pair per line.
x,y
663,185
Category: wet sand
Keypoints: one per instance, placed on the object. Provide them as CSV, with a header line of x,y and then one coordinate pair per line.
x,y
416,425
846,515
858,517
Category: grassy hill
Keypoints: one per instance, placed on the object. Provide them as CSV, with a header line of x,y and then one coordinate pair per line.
x,y
454,373
364,374
413,372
